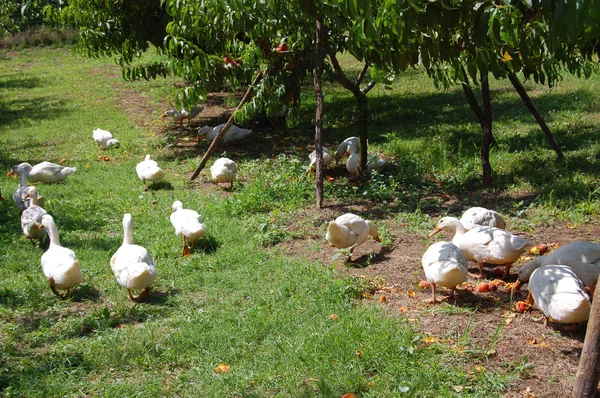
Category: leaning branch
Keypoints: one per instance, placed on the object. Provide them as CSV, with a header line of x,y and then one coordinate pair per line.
x,y
225,128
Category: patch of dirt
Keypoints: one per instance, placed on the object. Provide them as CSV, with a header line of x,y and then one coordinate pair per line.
x,y
486,323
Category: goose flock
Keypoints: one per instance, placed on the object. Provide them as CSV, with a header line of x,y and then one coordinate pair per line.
x,y
350,148
132,265
558,282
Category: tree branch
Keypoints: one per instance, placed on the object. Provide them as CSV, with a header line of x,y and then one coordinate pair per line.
x,y
361,76
368,87
339,72
225,128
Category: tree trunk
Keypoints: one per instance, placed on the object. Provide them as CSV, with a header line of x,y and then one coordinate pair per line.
x,y
536,114
588,374
487,132
473,103
319,112
225,128
363,132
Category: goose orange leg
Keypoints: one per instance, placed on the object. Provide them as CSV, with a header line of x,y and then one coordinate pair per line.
x,y
433,300
62,296
506,270
186,249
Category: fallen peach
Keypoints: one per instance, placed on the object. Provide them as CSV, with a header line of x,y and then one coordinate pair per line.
x,y
424,284
483,287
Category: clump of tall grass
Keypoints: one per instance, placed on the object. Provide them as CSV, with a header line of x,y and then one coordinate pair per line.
x,y
39,36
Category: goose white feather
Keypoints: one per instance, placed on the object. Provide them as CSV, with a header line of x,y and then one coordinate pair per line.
x,y
582,257
234,133
223,170
350,230
327,158
484,244
19,195
480,216
183,115
31,218
187,223
132,265
59,264
559,294
105,139
43,172
148,170
347,147
445,265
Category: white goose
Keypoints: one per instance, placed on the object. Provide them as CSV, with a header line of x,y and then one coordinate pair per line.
x,y
105,139
234,133
347,147
31,218
559,294
59,264
148,170
582,257
327,159
484,244
132,265
43,172
349,230
19,195
183,115
187,223
223,170
480,216
445,265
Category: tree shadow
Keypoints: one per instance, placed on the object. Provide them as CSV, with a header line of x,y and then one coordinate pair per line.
x,y
18,111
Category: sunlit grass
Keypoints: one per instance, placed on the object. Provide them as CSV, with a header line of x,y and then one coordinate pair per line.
x,y
285,326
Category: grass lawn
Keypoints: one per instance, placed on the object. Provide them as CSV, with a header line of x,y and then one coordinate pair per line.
x,y
285,326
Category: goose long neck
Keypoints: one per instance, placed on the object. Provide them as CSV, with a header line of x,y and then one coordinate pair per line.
x,y
22,180
52,233
127,231
33,198
459,228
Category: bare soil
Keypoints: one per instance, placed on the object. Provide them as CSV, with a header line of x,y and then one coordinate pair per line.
x,y
484,324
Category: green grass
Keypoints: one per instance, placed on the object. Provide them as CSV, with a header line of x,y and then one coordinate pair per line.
x,y
236,301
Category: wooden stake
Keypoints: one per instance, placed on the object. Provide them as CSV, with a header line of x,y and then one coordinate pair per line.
x,y
225,128
588,374
536,114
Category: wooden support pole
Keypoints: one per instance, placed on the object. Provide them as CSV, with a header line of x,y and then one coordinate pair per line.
x,y
225,128
588,373
536,114
320,55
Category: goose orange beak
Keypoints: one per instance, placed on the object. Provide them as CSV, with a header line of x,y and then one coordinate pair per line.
x,y
435,231
10,172
377,238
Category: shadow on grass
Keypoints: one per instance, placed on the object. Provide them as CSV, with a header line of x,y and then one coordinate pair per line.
x,y
160,186
85,293
445,130
161,297
207,245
